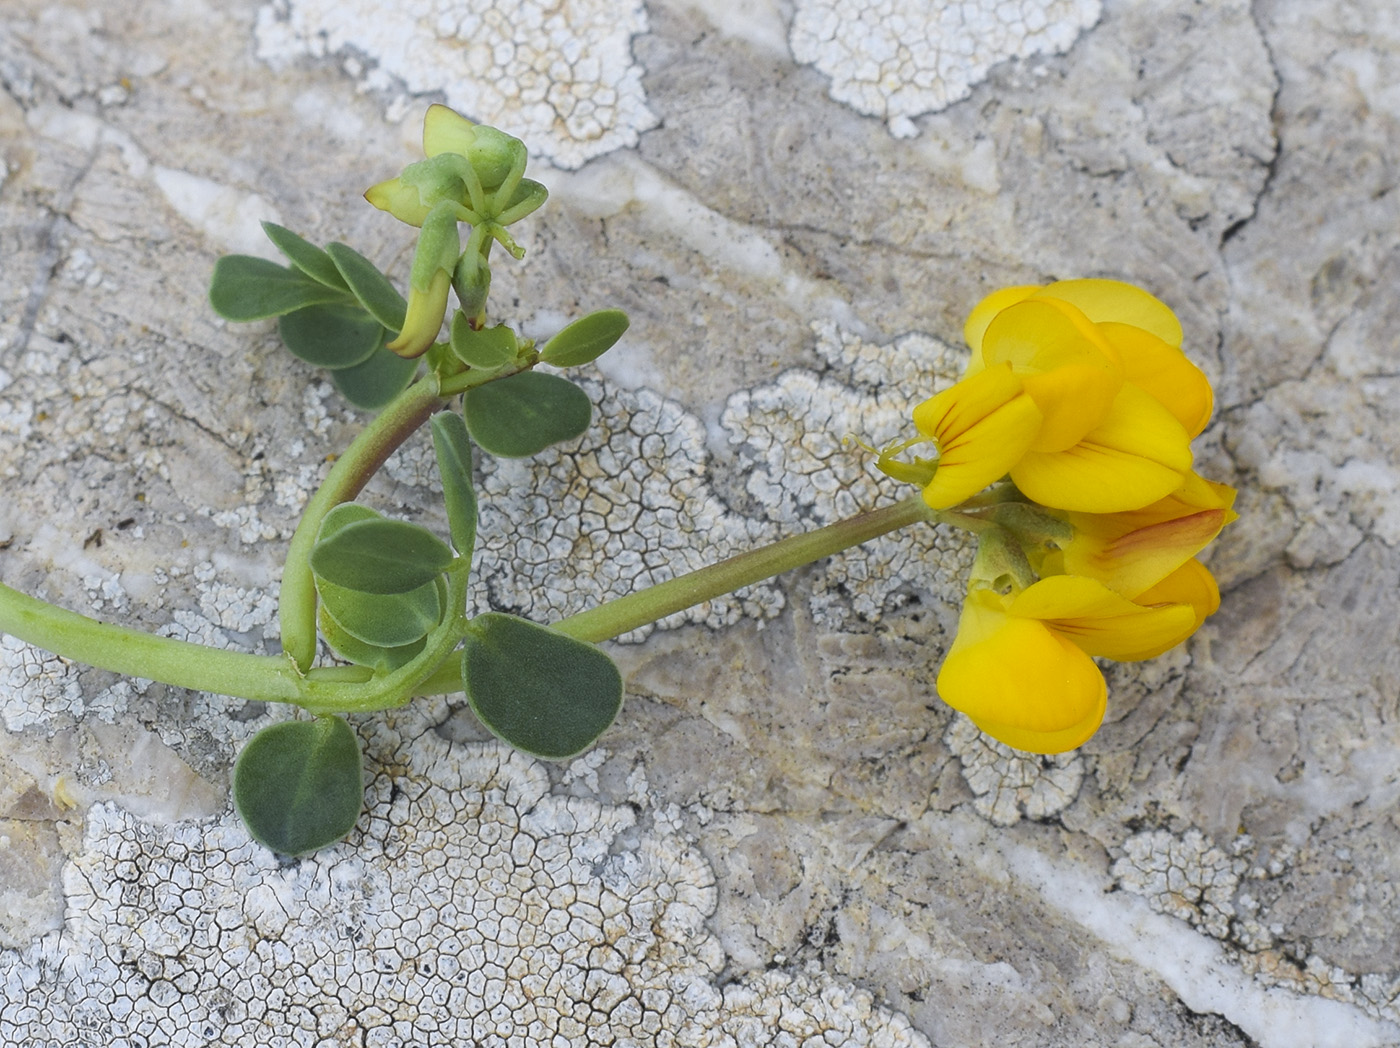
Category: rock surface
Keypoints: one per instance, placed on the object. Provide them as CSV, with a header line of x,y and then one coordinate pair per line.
x,y
785,840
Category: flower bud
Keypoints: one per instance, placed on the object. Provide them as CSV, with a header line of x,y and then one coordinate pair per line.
x,y
494,154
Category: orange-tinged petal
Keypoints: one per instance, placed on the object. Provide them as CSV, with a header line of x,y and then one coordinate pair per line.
x,y
1193,496
1020,681
1067,367
1112,301
1164,372
984,311
1137,560
1101,622
982,426
1137,455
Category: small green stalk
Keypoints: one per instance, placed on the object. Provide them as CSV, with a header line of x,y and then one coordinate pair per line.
x,y
134,653
296,609
260,678
624,614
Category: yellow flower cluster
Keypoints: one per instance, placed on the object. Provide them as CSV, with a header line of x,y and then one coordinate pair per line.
x,y
1079,393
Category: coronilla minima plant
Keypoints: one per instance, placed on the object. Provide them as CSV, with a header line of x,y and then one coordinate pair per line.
x,y
1065,449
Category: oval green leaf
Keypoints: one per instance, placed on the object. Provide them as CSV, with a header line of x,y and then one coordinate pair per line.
x,y
540,691
454,458
385,620
339,516
244,288
331,336
525,413
362,654
587,338
375,382
299,785
306,256
488,349
370,286
379,556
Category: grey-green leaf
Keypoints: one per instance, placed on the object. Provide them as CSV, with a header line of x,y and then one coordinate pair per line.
x,y
525,413
454,458
299,785
488,349
379,379
386,620
585,339
244,287
540,691
306,256
380,556
370,286
357,651
336,336
339,516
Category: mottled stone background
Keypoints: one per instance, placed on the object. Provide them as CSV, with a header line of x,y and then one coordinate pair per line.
x,y
786,839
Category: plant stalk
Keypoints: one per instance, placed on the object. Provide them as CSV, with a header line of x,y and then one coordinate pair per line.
x,y
625,614
296,606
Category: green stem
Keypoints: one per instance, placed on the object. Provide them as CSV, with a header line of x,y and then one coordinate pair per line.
x,y
296,608
646,606
262,678
133,653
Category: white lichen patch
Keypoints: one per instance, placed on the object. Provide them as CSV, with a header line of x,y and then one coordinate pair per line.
x,y
1184,876
236,608
558,75
35,685
1009,785
899,59
627,505
798,441
471,906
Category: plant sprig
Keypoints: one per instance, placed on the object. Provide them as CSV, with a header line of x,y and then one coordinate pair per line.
x,y
1081,553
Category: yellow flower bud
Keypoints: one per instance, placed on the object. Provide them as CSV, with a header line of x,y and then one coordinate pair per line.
x,y
424,318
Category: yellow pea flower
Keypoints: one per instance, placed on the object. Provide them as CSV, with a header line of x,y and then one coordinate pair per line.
x,y
1021,666
1117,400
1141,328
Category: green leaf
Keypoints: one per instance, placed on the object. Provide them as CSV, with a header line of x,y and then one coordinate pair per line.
x,y
375,382
306,256
360,653
338,336
454,459
339,516
299,785
380,556
540,691
488,349
246,288
370,286
385,620
525,413
587,338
